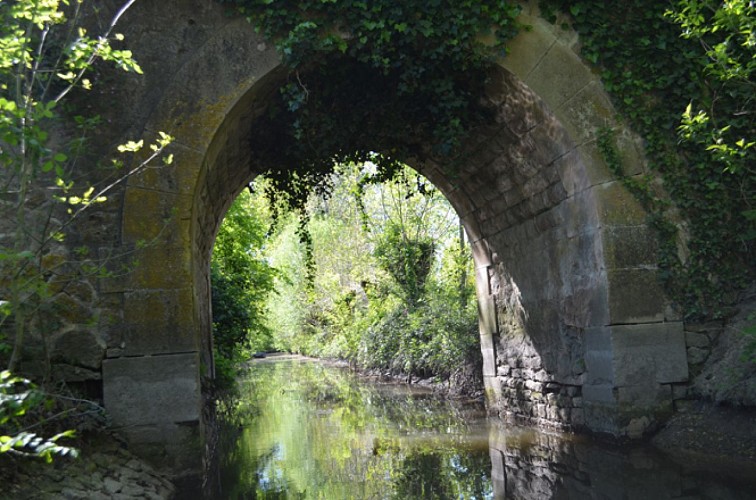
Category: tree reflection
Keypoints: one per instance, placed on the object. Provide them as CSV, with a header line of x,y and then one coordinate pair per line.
x,y
301,430
304,430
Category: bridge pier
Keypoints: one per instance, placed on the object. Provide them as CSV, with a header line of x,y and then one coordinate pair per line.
x,y
156,403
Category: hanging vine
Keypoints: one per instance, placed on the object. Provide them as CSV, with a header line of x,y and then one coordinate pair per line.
x,y
372,80
377,80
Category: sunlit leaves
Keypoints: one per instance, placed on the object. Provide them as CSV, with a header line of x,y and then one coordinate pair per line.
x,y
17,397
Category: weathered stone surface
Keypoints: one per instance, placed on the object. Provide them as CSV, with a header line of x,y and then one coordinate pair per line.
x,y
152,389
489,355
70,373
637,427
80,348
700,340
72,311
617,207
627,247
76,479
169,217
649,352
591,108
697,355
555,80
159,321
635,296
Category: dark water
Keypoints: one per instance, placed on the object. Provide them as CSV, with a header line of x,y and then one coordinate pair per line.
x,y
302,429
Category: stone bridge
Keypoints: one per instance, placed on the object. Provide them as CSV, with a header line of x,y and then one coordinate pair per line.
x,y
575,331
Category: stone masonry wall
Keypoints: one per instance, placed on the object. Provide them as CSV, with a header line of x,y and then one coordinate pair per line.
x,y
574,328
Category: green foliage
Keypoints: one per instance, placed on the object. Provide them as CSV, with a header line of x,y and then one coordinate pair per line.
x,y
18,397
392,285
682,74
407,260
241,281
401,72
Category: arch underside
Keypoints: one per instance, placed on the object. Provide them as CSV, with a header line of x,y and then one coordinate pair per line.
x,y
574,329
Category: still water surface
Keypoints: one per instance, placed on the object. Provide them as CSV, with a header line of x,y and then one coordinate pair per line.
x,y
302,430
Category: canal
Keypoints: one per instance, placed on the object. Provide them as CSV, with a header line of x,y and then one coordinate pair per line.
x,y
303,429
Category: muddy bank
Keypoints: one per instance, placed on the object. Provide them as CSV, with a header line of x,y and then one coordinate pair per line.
x,y
712,438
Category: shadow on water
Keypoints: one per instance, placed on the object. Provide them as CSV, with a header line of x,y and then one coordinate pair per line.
x,y
302,429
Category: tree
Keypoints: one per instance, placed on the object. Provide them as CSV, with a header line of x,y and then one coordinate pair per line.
x,y
727,34
44,55
241,281
386,291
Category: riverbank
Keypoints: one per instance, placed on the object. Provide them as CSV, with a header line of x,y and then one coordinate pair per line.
x,y
712,438
105,470
717,426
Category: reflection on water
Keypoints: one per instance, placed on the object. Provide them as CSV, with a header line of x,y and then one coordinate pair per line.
x,y
305,430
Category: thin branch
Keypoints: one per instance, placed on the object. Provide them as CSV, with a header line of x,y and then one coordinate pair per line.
x,y
96,52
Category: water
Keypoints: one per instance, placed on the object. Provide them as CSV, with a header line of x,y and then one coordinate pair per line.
x,y
304,430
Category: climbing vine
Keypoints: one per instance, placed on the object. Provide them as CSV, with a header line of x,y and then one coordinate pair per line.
x,y
376,81
682,74
371,80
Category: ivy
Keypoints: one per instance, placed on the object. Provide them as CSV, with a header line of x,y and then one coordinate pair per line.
x,y
372,81
387,81
664,69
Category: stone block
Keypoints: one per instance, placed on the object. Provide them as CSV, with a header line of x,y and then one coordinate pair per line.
x,y
646,395
697,355
635,296
558,76
152,390
174,449
599,367
151,215
646,353
578,417
593,169
599,393
481,254
159,321
617,206
680,391
597,338
487,321
80,348
630,150
550,142
489,355
586,111
71,373
178,177
601,416
494,391
161,267
528,47
629,246
694,339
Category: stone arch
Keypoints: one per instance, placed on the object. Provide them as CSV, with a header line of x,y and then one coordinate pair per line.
x,y
574,329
